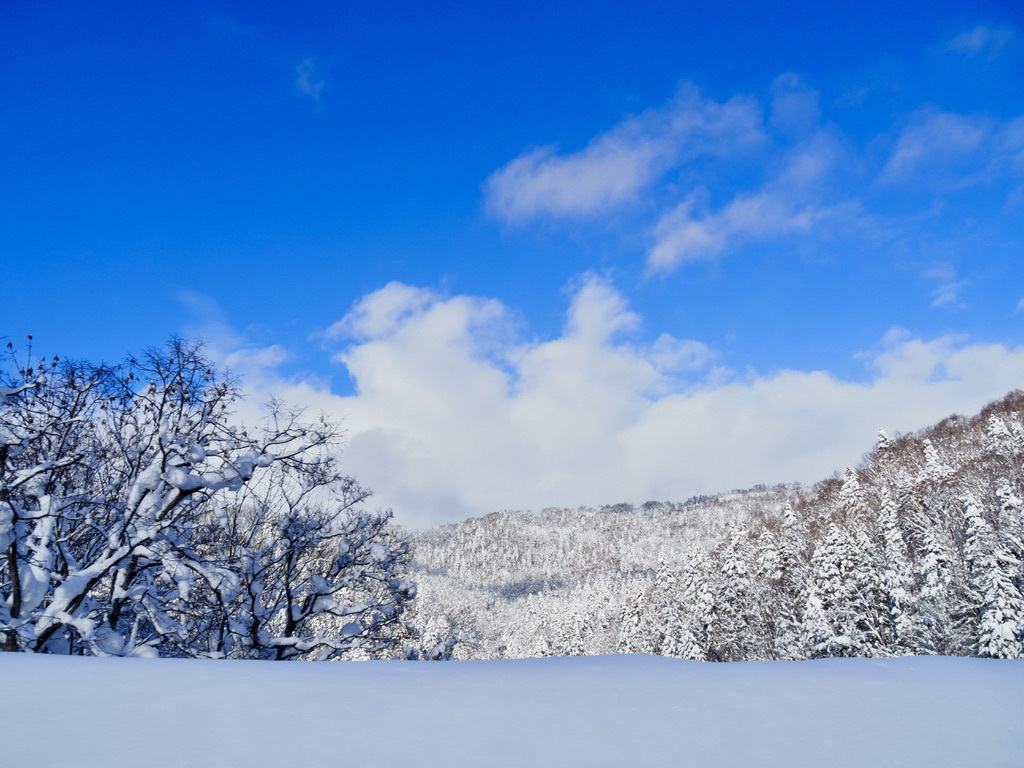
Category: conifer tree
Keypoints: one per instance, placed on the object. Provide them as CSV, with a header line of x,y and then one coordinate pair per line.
x,y
993,567
935,470
883,441
896,581
736,631
701,618
831,612
631,622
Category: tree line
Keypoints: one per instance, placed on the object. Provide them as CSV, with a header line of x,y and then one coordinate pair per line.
x,y
918,550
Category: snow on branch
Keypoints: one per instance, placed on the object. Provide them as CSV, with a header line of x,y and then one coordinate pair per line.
x,y
136,517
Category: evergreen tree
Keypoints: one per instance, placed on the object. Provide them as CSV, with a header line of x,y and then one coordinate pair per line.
x,y
817,634
840,627
701,619
793,574
736,631
993,567
668,611
883,441
935,470
896,581
852,499
631,622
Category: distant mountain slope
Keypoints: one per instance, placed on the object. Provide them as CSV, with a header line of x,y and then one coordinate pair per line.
x,y
918,550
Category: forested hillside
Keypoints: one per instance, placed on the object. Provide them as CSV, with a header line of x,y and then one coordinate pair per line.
x,y
916,551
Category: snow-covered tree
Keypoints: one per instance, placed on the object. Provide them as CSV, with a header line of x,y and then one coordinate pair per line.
x,y
883,442
935,470
632,635
137,518
841,615
993,568
736,629
897,604
852,502
701,620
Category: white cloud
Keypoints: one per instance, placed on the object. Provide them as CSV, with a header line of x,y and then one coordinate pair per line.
x,y
605,174
949,286
447,423
940,145
250,362
689,233
981,39
947,151
616,166
671,355
381,313
624,164
686,170
309,79
789,203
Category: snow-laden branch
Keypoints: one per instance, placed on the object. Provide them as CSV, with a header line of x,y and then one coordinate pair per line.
x,y
136,518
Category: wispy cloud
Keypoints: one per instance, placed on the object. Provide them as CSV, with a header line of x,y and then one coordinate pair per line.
x,y
701,178
232,349
309,78
943,147
981,39
789,203
947,294
616,166
690,232
799,156
794,107
627,162
946,151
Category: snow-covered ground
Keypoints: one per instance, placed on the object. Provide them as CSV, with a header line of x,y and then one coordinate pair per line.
x,y
585,711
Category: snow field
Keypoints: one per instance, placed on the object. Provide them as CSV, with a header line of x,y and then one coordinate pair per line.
x,y
583,711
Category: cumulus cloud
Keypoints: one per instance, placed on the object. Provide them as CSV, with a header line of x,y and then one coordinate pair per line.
x,y
381,313
616,166
455,416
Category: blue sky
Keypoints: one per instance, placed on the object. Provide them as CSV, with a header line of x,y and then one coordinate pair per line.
x,y
620,218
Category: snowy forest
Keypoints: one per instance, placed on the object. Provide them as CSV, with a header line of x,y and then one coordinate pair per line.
x,y
138,518
916,551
